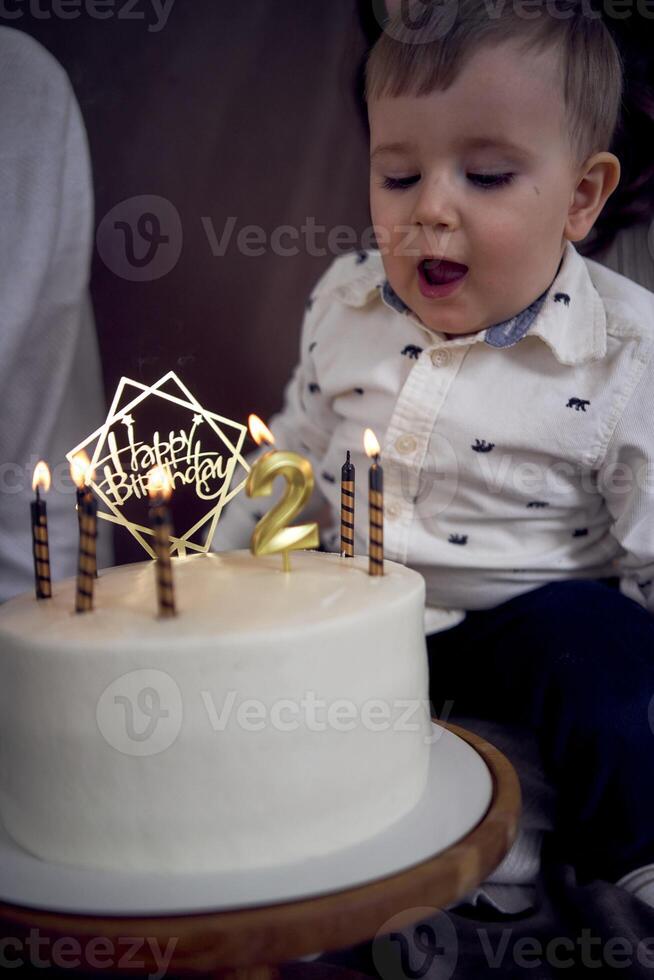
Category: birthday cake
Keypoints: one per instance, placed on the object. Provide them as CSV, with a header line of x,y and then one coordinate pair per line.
x,y
280,715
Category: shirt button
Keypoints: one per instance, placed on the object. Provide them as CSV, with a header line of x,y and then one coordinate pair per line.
x,y
440,358
406,444
392,511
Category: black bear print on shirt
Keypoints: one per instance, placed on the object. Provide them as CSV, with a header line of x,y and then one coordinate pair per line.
x,y
562,298
458,539
412,350
309,303
314,388
358,391
361,257
329,477
580,532
579,404
538,503
481,446
313,345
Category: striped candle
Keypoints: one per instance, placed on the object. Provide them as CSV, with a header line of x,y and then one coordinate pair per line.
x,y
160,489
375,506
86,561
347,508
81,473
40,546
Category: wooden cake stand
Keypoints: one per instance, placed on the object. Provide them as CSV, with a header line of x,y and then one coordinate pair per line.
x,y
248,944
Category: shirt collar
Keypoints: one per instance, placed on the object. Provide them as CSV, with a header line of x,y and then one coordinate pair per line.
x,y
504,334
569,316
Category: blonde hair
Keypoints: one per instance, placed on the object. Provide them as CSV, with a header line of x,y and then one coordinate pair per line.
x,y
427,43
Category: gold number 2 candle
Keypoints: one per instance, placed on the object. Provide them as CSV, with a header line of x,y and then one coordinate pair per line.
x,y
274,534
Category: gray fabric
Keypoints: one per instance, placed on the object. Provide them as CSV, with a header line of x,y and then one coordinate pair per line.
x,y
511,887
640,883
491,932
482,942
49,364
520,746
632,255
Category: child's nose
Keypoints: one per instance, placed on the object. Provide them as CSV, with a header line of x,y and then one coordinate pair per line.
x,y
435,208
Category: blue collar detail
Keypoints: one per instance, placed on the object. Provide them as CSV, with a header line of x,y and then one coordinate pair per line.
x,y
504,334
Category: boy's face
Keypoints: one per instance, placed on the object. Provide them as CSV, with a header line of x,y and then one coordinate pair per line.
x,y
485,180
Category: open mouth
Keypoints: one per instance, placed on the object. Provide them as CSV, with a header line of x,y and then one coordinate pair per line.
x,y
440,277
439,271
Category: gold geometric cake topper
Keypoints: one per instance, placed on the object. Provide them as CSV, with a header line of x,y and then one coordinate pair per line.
x,y
198,449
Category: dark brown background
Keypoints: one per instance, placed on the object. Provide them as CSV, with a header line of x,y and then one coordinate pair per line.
x,y
241,110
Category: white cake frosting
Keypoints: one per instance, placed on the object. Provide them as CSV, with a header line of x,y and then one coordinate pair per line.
x,y
278,716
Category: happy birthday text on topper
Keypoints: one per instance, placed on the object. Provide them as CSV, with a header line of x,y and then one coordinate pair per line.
x,y
203,455
181,454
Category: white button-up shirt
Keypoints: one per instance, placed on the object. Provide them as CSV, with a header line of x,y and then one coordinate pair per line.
x,y
515,456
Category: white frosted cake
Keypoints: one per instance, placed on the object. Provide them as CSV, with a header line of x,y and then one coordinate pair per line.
x,y
278,716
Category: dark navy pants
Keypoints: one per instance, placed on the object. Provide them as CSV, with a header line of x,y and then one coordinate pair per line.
x,y
574,661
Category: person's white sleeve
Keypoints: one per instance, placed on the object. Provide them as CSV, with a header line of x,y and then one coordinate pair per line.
x,y
49,366
626,481
303,425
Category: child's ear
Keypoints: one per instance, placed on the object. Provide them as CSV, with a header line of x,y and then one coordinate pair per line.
x,y
598,179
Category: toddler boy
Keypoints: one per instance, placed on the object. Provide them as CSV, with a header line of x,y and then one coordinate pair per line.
x,y
511,385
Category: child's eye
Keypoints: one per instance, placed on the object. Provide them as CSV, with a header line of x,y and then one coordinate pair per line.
x,y
490,180
399,183
479,180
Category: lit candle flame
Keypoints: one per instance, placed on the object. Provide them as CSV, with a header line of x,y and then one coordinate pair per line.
x,y
80,469
159,483
41,478
260,431
370,443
